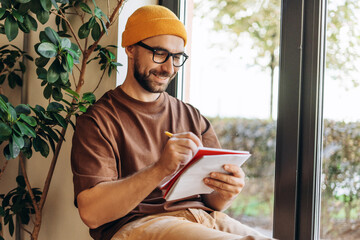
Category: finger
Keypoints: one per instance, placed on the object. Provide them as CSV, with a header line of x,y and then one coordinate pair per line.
x,y
228,179
183,143
189,135
235,170
222,186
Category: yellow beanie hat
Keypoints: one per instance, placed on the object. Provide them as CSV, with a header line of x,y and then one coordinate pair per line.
x,y
150,21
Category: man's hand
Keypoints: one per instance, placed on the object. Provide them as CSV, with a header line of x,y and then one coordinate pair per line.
x,y
227,186
178,151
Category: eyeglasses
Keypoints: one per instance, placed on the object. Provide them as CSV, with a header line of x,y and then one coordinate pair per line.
x,y
161,55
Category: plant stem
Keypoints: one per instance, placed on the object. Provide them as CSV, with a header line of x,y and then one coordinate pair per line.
x,y
51,169
4,166
27,182
37,223
101,78
2,227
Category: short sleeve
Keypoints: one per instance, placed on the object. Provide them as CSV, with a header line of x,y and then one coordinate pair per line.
x,y
92,156
208,135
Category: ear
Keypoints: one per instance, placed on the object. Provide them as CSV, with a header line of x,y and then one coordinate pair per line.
x,y
130,50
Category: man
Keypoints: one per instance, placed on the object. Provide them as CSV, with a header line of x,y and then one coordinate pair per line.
x,y
120,153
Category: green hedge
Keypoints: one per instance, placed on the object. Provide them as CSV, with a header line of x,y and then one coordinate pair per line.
x,y
340,167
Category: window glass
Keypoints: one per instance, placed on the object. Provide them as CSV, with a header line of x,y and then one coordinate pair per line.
x,y
233,81
340,203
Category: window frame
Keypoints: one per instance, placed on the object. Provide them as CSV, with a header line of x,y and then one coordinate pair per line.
x,y
300,121
173,88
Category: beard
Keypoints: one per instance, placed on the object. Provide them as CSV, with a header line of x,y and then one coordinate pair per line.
x,y
149,85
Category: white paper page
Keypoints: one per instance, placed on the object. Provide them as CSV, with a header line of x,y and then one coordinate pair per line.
x,y
191,181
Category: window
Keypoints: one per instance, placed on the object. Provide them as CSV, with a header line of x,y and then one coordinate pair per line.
x,y
302,143
233,82
340,195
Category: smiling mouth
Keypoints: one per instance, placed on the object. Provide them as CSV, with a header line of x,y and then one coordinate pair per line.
x,y
161,77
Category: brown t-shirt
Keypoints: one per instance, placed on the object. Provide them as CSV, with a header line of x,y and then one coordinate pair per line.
x,y
120,135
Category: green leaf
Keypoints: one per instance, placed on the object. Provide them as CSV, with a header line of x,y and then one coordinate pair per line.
x,y
73,54
2,78
2,212
12,112
54,72
2,11
55,107
60,120
14,79
41,146
96,32
17,15
22,108
14,149
52,35
7,153
11,226
73,93
22,67
99,13
18,140
65,43
43,16
51,133
46,5
75,48
41,61
89,97
91,23
51,141
28,119
30,22
5,130
3,101
85,8
104,26
82,108
53,2
47,91
11,28
47,49
69,62
25,130
57,94
83,31
43,37
64,76
42,73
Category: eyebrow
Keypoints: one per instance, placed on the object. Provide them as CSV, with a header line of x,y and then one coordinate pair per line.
x,y
163,49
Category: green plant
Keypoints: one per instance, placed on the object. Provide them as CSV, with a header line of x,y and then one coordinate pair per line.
x,y
25,128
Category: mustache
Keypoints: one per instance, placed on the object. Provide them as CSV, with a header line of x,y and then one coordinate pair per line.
x,y
160,74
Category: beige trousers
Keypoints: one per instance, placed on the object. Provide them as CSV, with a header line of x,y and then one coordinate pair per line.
x,y
190,224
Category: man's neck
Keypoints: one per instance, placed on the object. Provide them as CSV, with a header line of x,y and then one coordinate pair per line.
x,y
137,92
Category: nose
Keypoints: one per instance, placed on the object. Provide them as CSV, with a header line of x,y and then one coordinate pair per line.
x,y
168,66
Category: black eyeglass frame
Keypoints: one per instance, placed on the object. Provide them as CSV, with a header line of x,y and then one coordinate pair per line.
x,y
141,44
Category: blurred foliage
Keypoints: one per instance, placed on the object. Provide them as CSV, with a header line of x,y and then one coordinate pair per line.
x,y
260,20
340,171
